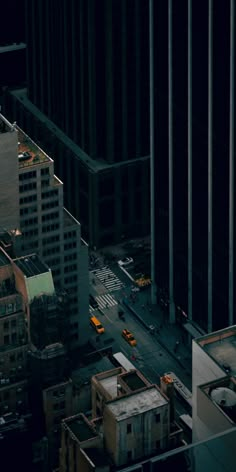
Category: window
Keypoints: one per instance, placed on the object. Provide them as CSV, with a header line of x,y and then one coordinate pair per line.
x,y
29,199
157,417
158,444
6,395
51,239
70,245
13,338
30,221
70,268
51,250
6,325
129,455
13,323
47,206
50,194
27,175
27,187
45,171
50,216
45,183
129,428
51,227
12,358
6,339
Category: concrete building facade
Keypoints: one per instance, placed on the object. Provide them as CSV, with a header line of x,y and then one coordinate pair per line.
x,y
47,228
213,358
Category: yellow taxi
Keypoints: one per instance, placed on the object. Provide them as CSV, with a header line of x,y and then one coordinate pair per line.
x,y
129,337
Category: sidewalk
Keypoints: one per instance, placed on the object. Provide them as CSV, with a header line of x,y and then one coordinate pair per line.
x,y
171,337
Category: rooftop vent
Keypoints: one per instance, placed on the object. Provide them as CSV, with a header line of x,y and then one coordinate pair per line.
x,y
24,156
224,397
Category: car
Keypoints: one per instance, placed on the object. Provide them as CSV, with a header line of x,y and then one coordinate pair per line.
x,y
125,262
129,337
93,302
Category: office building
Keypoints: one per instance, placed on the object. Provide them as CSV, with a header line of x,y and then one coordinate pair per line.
x,y
92,97
130,423
192,148
213,366
35,204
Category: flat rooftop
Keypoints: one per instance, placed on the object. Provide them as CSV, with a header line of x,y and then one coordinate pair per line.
x,y
110,385
80,428
31,265
221,347
136,403
133,381
35,154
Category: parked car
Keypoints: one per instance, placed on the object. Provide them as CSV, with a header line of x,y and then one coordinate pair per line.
x,y
125,262
129,337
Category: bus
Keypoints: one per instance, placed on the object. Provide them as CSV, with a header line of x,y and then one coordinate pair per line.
x,y
122,361
180,388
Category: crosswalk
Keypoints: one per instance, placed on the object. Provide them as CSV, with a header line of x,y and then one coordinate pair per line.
x,y
108,278
104,301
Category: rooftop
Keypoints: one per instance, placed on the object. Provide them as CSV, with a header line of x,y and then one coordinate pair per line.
x,y
133,380
29,153
222,393
31,265
110,385
80,427
221,347
93,164
82,376
136,403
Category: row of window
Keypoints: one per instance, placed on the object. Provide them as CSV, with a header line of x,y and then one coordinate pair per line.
x,y
31,221
50,216
53,227
7,324
71,245
70,257
51,239
54,262
31,232
47,206
27,175
70,234
70,268
27,187
45,171
28,210
52,250
12,358
50,194
28,199
129,425
71,279
7,339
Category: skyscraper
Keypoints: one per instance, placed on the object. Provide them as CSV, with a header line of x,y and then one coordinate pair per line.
x,y
87,68
31,198
193,127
